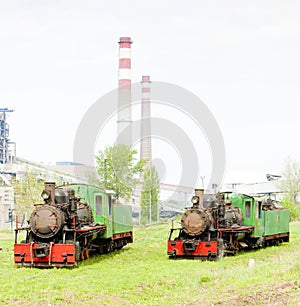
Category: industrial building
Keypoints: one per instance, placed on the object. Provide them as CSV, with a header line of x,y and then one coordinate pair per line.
x,y
173,198
7,156
6,206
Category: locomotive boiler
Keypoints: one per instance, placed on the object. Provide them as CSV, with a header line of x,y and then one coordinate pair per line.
x,y
222,224
73,222
61,210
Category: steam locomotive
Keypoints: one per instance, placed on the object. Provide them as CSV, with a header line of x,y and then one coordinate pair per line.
x,y
73,222
225,223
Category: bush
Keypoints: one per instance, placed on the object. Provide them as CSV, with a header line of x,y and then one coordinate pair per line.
x,y
288,202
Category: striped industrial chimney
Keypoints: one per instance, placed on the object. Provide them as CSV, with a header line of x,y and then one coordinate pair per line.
x,y
124,93
146,152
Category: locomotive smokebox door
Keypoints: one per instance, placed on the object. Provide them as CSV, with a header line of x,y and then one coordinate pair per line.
x,y
194,222
46,221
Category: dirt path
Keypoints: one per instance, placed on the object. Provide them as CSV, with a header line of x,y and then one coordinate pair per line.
x,y
282,294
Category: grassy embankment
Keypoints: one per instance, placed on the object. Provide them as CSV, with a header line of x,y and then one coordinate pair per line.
x,y
142,274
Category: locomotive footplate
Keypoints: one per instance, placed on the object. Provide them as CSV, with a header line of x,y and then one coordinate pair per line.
x,y
44,255
193,249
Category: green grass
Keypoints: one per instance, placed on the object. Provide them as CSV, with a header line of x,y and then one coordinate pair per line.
x,y
142,274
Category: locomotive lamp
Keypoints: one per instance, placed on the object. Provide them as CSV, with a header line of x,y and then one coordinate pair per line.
x,y
195,199
45,195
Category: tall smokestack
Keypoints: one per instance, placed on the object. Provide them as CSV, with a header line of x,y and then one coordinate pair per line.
x,y
124,94
146,151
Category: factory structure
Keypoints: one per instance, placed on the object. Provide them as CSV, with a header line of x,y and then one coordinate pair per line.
x,y
7,156
177,196
146,146
124,135
173,198
124,132
7,147
13,167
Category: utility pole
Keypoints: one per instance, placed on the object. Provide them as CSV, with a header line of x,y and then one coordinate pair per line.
x,y
202,179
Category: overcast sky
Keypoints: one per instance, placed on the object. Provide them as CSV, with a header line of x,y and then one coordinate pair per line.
x,y
239,57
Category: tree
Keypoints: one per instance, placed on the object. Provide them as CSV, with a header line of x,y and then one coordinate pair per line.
x,y
150,196
290,184
28,188
27,191
118,169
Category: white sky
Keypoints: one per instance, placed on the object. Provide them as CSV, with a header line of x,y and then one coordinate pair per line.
x,y
240,57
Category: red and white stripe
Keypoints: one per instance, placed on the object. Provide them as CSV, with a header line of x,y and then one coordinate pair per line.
x,y
146,151
124,93
125,61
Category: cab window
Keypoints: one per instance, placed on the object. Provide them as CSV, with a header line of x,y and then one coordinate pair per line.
x,y
248,209
109,203
258,209
99,205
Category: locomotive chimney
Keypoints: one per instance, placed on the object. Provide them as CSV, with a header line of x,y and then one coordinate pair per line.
x,y
124,92
200,194
50,187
